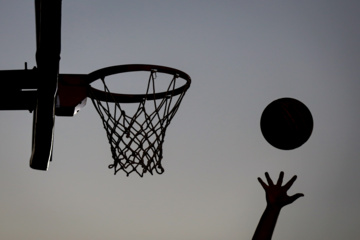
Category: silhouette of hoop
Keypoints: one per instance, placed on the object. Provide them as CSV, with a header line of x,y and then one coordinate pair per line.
x,y
133,98
136,139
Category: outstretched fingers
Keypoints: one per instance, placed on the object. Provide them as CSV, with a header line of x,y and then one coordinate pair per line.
x,y
270,182
290,183
280,180
262,183
276,195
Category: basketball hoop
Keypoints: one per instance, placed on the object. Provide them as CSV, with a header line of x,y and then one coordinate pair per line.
x,y
136,138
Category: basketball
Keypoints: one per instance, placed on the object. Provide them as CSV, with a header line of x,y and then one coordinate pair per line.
x,y
286,123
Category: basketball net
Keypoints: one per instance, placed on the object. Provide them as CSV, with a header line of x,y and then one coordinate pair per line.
x,y
136,140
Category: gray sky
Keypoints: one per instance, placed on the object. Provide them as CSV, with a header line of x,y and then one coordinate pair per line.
x,y
241,55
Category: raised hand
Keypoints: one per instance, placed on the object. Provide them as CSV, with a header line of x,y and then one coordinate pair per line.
x,y
276,198
276,195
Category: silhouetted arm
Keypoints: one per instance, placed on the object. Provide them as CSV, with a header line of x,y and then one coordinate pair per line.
x,y
276,198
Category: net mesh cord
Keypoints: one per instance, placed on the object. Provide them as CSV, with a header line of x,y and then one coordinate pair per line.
x,y
136,141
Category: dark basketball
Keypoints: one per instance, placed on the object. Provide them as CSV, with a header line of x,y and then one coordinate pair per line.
x,y
286,123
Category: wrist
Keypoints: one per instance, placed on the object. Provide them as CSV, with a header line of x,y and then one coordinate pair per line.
x,y
273,207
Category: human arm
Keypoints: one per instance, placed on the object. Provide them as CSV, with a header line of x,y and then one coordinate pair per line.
x,y
276,198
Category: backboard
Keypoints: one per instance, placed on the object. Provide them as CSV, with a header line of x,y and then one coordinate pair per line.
x,y
48,45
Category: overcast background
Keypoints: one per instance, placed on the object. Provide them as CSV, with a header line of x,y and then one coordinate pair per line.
x,y
241,55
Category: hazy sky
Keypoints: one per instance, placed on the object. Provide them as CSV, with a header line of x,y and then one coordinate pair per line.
x,y
241,55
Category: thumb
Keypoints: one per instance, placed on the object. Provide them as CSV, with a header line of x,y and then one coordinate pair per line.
x,y
294,197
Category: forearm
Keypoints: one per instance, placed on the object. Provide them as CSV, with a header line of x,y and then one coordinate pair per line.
x,y
267,224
